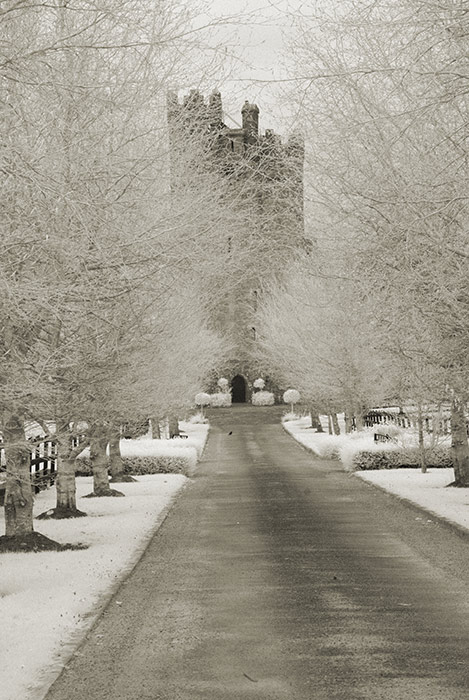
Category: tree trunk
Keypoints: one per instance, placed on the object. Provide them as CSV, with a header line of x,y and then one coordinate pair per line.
x,y
335,424
423,462
348,421
100,464
359,420
155,429
116,465
65,483
459,444
19,492
173,426
329,424
19,532
315,420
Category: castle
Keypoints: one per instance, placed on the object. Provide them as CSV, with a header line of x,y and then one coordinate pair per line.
x,y
265,178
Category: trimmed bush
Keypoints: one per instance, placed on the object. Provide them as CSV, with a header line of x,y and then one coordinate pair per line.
x,y
202,399
220,399
291,396
436,457
158,465
164,464
263,398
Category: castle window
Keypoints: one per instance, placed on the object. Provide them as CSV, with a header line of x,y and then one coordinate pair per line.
x,y
254,334
232,145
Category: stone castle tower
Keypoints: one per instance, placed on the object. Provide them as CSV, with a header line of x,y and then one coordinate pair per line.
x,y
265,176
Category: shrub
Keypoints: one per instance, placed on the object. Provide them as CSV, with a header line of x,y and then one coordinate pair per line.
x,y
223,384
263,398
259,384
291,396
220,399
202,399
436,457
164,464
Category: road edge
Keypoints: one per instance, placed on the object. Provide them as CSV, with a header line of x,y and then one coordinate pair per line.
x,y
459,529
79,636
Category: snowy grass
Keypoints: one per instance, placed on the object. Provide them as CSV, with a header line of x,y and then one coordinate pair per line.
x,y
322,444
426,490
346,445
46,598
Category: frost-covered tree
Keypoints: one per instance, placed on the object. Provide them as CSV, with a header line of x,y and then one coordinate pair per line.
x,y
85,221
386,109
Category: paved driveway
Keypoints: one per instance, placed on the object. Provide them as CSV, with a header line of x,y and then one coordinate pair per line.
x,y
278,576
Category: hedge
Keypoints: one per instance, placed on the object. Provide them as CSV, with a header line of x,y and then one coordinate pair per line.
x,y
435,457
263,398
164,464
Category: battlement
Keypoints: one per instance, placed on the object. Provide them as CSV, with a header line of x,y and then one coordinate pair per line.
x,y
196,113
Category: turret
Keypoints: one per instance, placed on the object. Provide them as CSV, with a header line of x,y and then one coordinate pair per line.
x,y
250,114
215,108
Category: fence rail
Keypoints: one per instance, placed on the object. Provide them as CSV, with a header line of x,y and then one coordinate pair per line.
x,y
434,421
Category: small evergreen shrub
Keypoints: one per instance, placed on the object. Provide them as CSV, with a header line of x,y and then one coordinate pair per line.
x,y
291,396
220,399
223,384
435,457
263,398
164,464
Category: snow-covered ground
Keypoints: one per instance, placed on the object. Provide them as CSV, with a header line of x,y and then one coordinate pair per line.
x,y
425,490
49,599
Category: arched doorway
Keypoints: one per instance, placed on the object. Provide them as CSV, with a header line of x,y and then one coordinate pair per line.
x,y
238,389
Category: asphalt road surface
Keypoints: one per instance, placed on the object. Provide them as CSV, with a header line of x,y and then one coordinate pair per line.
x,y
278,576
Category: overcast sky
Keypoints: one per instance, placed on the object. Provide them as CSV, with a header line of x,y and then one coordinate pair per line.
x,y
259,39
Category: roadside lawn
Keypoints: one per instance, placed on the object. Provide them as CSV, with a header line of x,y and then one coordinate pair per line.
x,y
48,600
429,491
